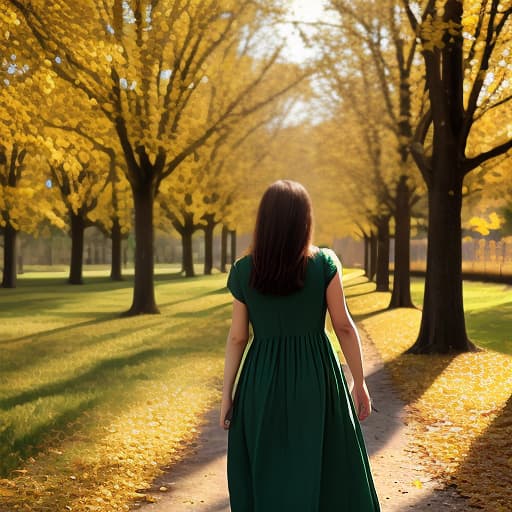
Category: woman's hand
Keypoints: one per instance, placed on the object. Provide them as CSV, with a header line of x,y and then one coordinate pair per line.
x,y
225,412
362,401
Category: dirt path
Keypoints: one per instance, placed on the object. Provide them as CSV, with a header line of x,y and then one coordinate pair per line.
x,y
198,484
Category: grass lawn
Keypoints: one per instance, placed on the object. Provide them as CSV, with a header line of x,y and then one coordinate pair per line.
x,y
92,404
488,309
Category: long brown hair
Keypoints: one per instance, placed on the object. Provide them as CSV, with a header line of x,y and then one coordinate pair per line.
x,y
282,238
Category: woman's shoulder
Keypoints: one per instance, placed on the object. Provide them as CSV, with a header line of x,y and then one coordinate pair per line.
x,y
324,254
327,260
243,263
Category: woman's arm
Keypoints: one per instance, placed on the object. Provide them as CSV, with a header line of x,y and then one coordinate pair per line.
x,y
237,340
350,343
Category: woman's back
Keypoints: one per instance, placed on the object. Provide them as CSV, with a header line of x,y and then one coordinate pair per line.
x,y
298,313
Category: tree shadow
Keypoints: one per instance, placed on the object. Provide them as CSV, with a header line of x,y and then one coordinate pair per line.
x,y
95,374
490,457
203,313
490,474
99,319
46,346
108,381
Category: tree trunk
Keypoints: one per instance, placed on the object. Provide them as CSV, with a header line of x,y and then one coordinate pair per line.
x,y
50,250
382,278
401,295
115,269
77,249
233,246
144,288
224,249
367,256
208,244
443,326
187,253
373,256
9,272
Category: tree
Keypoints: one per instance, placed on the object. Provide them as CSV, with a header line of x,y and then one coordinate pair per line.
x,y
20,177
389,50
145,71
463,47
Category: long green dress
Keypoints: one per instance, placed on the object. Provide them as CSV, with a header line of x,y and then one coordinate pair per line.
x,y
295,444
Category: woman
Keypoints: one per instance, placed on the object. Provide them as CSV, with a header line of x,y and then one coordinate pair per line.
x,y
295,444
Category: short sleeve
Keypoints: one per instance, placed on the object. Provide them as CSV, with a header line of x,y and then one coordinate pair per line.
x,y
332,265
234,285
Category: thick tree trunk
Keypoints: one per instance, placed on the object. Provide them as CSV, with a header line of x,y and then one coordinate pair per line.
x,y
208,244
116,273
401,295
144,289
382,277
9,272
77,249
224,249
373,256
443,326
233,246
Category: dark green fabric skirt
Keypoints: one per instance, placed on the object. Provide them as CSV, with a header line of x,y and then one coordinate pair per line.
x,y
295,443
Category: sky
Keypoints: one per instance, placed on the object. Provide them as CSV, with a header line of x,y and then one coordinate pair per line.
x,y
302,10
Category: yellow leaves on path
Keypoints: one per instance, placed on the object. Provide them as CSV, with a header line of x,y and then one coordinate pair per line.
x,y
459,407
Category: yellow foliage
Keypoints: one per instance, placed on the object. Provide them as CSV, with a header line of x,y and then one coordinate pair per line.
x,y
484,226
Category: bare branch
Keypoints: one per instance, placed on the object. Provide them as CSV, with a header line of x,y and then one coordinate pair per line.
x,y
473,163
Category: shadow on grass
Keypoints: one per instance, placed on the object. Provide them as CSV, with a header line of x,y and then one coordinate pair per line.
x,y
357,281
486,466
107,382
45,346
97,373
203,313
103,318
14,449
489,460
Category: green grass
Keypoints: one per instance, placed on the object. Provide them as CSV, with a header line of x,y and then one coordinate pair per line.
x,y
70,363
67,355
488,309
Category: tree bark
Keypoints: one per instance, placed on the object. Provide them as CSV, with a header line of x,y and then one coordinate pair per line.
x,y
208,243
77,249
233,246
382,266
401,295
9,277
187,252
367,256
373,256
224,249
443,326
144,289
116,273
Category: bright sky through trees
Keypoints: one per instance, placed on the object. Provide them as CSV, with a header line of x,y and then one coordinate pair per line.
x,y
306,11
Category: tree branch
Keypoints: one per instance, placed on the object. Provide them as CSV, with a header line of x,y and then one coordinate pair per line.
x,y
472,163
